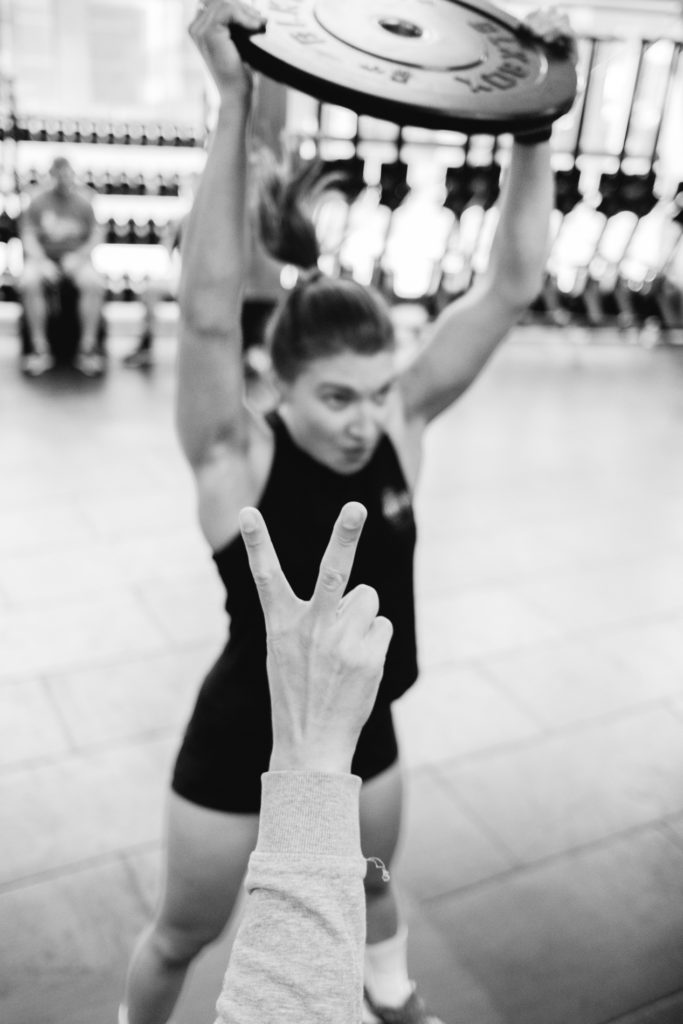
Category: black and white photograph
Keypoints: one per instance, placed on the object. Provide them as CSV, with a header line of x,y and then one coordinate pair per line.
x,y
341,512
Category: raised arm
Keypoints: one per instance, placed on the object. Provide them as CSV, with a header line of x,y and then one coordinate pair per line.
x,y
468,331
210,410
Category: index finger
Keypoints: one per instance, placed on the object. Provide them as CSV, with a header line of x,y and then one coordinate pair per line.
x,y
273,589
337,562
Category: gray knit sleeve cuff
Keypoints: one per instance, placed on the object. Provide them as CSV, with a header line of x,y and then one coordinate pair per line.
x,y
309,813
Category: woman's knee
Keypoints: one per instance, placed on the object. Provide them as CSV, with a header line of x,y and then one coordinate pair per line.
x,y
206,857
177,943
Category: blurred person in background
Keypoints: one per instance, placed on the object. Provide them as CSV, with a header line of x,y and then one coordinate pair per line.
x,y
59,232
155,291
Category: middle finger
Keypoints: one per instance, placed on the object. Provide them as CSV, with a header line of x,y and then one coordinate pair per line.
x,y
337,562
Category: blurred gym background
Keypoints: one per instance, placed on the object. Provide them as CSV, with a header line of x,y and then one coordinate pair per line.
x,y
115,87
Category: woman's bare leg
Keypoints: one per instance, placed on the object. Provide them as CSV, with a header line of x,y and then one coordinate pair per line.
x,y
380,823
207,855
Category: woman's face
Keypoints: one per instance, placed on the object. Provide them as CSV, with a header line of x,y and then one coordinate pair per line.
x,y
337,407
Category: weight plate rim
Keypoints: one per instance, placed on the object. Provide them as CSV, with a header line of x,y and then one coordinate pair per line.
x,y
561,71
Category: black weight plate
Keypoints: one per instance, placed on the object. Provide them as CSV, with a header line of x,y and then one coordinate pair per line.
x,y
454,64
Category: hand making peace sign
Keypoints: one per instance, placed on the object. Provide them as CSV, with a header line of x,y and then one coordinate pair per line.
x,y
325,656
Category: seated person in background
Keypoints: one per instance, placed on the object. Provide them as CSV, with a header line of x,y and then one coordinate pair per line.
x,y
298,954
59,232
154,292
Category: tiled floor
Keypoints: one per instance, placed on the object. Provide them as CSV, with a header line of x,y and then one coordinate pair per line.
x,y
542,860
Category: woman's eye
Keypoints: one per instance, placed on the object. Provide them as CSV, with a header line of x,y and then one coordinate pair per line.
x,y
335,401
381,397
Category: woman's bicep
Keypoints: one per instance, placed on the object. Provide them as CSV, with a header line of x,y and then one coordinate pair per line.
x,y
210,407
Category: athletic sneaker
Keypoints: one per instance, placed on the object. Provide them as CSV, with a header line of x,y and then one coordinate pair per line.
x,y
90,364
413,1011
35,364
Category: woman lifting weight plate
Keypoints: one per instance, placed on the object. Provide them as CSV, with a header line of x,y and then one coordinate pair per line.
x,y
348,426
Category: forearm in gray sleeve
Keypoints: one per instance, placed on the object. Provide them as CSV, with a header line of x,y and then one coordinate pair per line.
x,y
298,954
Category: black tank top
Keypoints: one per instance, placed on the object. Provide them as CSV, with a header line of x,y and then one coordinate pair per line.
x,y
300,504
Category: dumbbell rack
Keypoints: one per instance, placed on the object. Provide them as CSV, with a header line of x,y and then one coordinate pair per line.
x,y
398,181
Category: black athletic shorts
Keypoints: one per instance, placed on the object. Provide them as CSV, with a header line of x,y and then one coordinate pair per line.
x,y
229,738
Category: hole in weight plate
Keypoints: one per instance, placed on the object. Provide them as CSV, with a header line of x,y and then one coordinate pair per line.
x,y
399,27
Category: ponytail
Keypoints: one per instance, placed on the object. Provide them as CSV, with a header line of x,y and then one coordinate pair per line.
x,y
320,316
285,225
